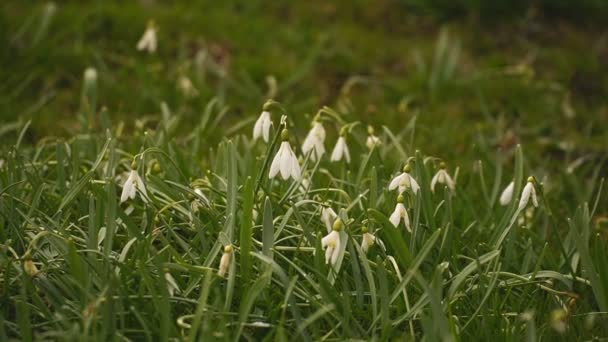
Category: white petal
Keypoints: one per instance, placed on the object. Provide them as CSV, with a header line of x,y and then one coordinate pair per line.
x,y
328,254
140,184
286,162
128,189
346,153
434,181
507,194
257,128
534,199
413,184
396,181
336,154
450,182
336,251
395,218
266,126
525,196
406,217
276,164
295,167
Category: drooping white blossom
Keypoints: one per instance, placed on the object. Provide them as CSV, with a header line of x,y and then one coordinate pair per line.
x,y
340,151
400,213
372,140
133,184
262,127
331,243
404,181
528,192
314,141
148,40
285,161
186,87
507,194
367,240
225,261
442,177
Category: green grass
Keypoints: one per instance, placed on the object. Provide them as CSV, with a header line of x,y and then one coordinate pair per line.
x,y
493,104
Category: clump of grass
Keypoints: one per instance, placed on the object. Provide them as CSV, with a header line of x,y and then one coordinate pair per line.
x,y
79,263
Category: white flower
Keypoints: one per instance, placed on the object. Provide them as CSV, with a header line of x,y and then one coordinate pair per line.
x,y
314,141
225,261
90,76
367,240
148,40
404,181
442,177
372,141
132,184
186,86
340,151
172,286
262,126
328,216
304,185
331,243
507,194
285,161
400,213
529,191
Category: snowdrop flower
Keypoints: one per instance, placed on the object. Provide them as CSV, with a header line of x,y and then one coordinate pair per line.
x,y
285,160
442,177
372,140
225,261
404,181
400,213
262,126
340,150
90,76
529,191
148,40
172,286
507,194
331,243
132,184
314,141
328,216
187,88
367,240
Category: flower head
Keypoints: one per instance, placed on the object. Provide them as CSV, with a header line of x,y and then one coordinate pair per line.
x,y
331,243
314,141
285,161
528,192
404,181
262,127
399,214
442,177
186,87
372,140
148,40
132,185
225,261
367,240
28,265
507,194
340,151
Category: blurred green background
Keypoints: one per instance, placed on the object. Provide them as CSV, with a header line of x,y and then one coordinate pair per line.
x,y
535,71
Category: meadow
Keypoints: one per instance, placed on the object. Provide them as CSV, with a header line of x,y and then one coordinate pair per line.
x,y
414,170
